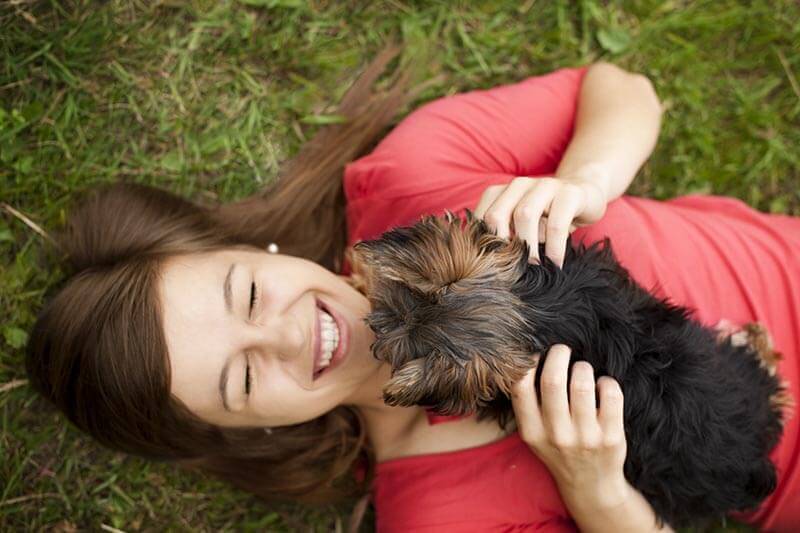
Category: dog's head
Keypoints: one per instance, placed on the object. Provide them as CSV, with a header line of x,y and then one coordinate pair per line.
x,y
443,312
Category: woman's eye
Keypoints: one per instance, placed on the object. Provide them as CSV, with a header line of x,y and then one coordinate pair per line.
x,y
253,297
247,379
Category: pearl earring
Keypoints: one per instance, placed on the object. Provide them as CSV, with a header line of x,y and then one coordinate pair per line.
x,y
272,248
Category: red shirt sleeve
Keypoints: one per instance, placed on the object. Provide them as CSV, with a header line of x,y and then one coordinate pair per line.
x,y
445,154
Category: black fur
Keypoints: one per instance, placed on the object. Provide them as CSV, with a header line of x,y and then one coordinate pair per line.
x,y
698,415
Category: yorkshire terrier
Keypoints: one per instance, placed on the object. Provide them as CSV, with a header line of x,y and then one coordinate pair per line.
x,y
460,315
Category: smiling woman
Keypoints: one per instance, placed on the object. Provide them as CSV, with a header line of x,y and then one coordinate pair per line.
x,y
180,337
239,361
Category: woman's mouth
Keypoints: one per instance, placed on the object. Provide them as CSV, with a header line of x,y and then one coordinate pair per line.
x,y
332,339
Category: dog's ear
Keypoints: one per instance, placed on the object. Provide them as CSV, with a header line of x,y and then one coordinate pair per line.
x,y
440,254
433,381
452,386
407,386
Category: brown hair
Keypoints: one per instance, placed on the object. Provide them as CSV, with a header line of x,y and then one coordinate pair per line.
x,y
98,352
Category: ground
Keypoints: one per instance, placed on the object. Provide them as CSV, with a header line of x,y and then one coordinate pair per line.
x,y
207,98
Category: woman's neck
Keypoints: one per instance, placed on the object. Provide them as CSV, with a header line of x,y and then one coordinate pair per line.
x,y
387,426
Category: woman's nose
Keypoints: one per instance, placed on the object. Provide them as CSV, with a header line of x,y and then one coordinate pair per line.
x,y
283,337
285,343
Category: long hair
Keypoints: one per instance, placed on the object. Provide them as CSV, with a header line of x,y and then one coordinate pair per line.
x,y
98,351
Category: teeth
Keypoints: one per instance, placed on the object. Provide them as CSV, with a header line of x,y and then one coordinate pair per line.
x,y
329,337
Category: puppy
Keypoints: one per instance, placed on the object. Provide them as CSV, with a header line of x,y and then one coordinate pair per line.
x,y
460,315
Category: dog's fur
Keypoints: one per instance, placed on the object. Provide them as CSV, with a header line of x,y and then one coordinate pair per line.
x,y
460,315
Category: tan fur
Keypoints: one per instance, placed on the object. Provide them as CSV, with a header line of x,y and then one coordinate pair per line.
x,y
759,340
486,379
783,402
358,276
446,258
464,252
757,337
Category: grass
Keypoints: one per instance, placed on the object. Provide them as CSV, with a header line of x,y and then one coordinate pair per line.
x,y
209,97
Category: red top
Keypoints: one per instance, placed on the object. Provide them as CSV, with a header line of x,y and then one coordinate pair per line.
x,y
715,255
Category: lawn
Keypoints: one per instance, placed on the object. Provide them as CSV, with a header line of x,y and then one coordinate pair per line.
x,y
209,97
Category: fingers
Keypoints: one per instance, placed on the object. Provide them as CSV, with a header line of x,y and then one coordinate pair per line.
x,y
526,408
553,387
541,209
583,405
487,199
529,212
565,208
611,413
569,424
498,215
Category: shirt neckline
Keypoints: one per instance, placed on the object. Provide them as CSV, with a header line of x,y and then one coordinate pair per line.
x,y
502,443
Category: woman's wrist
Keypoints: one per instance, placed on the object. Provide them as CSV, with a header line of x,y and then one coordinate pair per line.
x,y
605,496
595,174
616,127
614,505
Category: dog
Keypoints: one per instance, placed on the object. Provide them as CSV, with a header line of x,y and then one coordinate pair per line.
x,y
460,315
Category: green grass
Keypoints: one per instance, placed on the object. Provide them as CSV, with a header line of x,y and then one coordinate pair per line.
x,y
209,97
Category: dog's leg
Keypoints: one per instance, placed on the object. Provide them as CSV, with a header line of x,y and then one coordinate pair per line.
x,y
759,340
756,336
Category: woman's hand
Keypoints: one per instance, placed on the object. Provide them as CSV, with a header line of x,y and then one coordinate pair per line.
x,y
582,445
542,210
616,127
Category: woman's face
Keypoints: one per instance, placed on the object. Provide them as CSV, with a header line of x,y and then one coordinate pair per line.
x,y
248,337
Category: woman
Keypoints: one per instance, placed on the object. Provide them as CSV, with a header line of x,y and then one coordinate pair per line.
x,y
178,338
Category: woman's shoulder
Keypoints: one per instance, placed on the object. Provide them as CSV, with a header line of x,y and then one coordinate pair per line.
x,y
515,129
444,154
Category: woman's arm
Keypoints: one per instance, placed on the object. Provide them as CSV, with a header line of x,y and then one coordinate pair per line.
x,y
633,514
582,444
616,127
619,116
